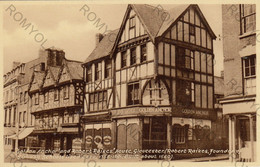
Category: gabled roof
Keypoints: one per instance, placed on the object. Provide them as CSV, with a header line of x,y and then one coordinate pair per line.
x,y
172,15
54,72
104,47
38,77
155,20
151,17
75,69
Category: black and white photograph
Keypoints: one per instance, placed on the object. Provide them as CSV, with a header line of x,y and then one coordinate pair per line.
x,y
92,83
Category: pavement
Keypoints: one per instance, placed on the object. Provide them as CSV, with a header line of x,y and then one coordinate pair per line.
x,y
11,158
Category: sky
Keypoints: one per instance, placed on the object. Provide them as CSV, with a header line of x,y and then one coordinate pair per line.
x,y
65,27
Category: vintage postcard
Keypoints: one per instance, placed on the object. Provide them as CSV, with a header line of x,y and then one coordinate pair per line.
x,y
97,82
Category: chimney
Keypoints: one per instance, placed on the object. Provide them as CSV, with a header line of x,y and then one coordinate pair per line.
x,y
222,74
15,64
99,37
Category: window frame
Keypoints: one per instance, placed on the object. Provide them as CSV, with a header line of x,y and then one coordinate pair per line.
x,y
143,54
66,91
36,98
132,22
56,94
96,101
180,94
179,138
89,74
133,56
123,59
133,101
98,71
46,97
247,78
243,18
108,68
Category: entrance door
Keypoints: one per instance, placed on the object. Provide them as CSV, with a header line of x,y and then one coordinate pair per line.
x,y
49,143
155,133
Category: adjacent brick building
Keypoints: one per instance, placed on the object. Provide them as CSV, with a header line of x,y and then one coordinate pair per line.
x,y
239,49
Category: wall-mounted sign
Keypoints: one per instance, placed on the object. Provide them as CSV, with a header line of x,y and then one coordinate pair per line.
x,y
195,112
140,111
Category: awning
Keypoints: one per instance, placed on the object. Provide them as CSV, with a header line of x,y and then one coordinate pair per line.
x,y
22,133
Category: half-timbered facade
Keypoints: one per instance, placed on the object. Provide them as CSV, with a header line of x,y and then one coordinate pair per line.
x,y
162,84
56,102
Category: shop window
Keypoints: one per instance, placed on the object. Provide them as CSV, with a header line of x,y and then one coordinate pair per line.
x,y
179,134
247,18
154,130
244,130
133,93
97,134
249,65
98,101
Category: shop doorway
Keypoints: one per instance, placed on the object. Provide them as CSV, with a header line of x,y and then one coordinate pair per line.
x,y
155,134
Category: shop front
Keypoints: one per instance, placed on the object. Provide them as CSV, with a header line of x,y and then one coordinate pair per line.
x,y
59,140
241,114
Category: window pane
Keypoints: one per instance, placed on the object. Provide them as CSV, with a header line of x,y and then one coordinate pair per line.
x,y
186,32
210,97
197,93
143,53
192,16
203,62
203,37
197,36
167,54
209,63
252,71
133,56
197,61
180,31
247,73
204,96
